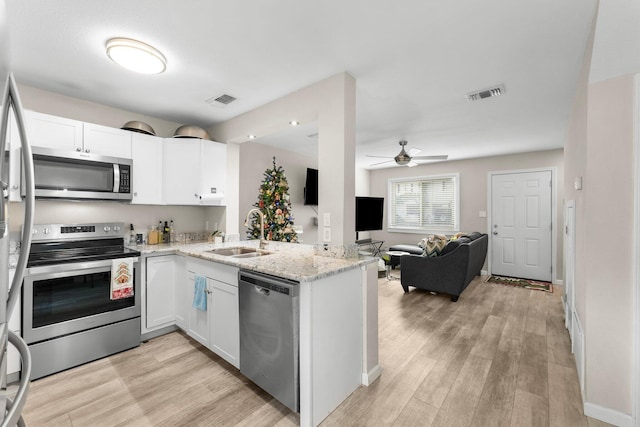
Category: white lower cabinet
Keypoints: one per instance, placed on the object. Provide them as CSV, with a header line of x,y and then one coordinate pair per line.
x,y
218,328
198,324
224,331
160,291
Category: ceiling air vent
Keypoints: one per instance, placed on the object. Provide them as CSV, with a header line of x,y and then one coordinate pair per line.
x,y
220,101
486,93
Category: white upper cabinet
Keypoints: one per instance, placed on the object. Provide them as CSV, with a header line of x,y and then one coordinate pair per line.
x,y
195,172
60,133
213,162
146,152
107,141
181,171
53,132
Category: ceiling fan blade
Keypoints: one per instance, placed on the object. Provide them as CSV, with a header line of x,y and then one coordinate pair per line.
x,y
438,157
380,163
380,157
412,164
414,151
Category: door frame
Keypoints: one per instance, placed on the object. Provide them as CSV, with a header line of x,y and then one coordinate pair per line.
x,y
554,214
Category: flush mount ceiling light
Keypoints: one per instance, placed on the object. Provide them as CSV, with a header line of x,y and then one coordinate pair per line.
x,y
136,56
294,123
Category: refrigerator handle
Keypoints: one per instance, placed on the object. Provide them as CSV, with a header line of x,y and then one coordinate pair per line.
x,y
14,417
4,120
27,158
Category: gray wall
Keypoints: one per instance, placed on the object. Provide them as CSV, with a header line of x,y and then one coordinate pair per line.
x,y
473,190
254,160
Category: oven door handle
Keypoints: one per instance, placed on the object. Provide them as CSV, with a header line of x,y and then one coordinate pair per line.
x,y
58,268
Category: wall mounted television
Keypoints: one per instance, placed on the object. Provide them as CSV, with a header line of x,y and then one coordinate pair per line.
x,y
369,213
311,187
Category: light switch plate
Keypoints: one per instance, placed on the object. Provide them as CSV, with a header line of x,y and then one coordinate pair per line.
x,y
482,214
326,219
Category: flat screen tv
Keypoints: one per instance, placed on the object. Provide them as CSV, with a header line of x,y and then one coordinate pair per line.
x,y
311,187
369,212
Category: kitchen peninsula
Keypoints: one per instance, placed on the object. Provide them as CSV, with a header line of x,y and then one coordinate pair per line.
x,y
338,331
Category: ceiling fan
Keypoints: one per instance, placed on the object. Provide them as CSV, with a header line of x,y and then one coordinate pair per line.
x,y
403,158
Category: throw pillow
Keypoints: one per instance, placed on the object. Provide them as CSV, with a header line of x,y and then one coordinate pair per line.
x,y
452,245
434,245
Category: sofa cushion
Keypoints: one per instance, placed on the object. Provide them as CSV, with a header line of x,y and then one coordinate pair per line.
x,y
474,235
453,244
412,249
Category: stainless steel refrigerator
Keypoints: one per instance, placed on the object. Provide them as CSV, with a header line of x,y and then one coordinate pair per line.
x,y
11,408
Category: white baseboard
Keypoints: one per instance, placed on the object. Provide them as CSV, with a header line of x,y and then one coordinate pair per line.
x,y
607,415
369,377
558,282
484,273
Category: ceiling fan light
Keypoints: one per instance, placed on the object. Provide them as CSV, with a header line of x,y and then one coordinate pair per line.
x,y
136,56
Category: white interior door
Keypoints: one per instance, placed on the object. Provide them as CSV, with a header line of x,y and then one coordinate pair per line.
x,y
521,225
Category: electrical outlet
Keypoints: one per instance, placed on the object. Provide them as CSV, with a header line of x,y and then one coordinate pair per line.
x,y
327,234
327,219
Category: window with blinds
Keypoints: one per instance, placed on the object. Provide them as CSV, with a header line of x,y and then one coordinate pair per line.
x,y
424,204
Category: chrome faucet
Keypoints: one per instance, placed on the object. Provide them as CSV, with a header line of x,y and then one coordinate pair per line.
x,y
263,241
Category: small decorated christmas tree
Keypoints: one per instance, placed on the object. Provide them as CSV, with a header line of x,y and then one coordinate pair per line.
x,y
275,204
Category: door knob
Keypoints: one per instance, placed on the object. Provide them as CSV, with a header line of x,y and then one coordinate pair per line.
x,y
495,233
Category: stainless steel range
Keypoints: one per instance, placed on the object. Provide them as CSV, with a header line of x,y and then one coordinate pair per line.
x,y
71,312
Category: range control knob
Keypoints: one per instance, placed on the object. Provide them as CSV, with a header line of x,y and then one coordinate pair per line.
x,y
45,230
34,231
106,228
116,228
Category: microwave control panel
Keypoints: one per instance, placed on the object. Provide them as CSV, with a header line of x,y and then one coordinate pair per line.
x,y
125,179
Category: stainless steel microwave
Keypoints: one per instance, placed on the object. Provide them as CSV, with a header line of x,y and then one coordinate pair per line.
x,y
61,174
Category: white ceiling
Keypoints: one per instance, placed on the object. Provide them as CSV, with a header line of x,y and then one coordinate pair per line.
x,y
414,62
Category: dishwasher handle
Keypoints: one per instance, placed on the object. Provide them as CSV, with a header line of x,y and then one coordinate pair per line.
x,y
267,284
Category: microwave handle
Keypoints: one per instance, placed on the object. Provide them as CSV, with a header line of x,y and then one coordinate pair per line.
x,y
116,178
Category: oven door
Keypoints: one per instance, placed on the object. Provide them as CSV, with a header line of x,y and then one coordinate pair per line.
x,y
68,298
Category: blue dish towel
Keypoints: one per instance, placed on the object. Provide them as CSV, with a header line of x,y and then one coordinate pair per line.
x,y
199,295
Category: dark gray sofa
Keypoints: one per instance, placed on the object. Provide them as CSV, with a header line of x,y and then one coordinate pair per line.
x,y
451,272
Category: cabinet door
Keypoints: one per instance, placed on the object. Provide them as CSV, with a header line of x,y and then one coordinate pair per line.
x,y
198,327
54,132
146,176
213,159
107,141
181,185
161,277
225,321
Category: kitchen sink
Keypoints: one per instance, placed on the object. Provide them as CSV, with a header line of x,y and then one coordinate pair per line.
x,y
239,252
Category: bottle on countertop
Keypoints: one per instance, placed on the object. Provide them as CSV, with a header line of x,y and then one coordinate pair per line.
x,y
165,233
132,235
172,232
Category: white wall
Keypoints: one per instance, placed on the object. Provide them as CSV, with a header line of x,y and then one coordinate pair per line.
x,y
256,158
609,273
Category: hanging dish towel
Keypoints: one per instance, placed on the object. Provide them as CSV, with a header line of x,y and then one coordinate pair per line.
x,y
199,294
121,278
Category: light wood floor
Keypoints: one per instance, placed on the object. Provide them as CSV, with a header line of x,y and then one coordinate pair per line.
x,y
498,357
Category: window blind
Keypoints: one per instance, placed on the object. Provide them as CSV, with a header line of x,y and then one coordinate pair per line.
x,y
424,204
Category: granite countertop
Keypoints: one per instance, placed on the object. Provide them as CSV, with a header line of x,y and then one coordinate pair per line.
x,y
293,261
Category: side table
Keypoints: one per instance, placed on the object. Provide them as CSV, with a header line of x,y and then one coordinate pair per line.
x,y
388,266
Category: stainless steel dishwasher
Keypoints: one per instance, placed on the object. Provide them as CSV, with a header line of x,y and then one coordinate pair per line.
x,y
269,335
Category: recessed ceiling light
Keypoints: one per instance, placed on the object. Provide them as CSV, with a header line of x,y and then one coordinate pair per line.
x,y
294,123
136,56
252,136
